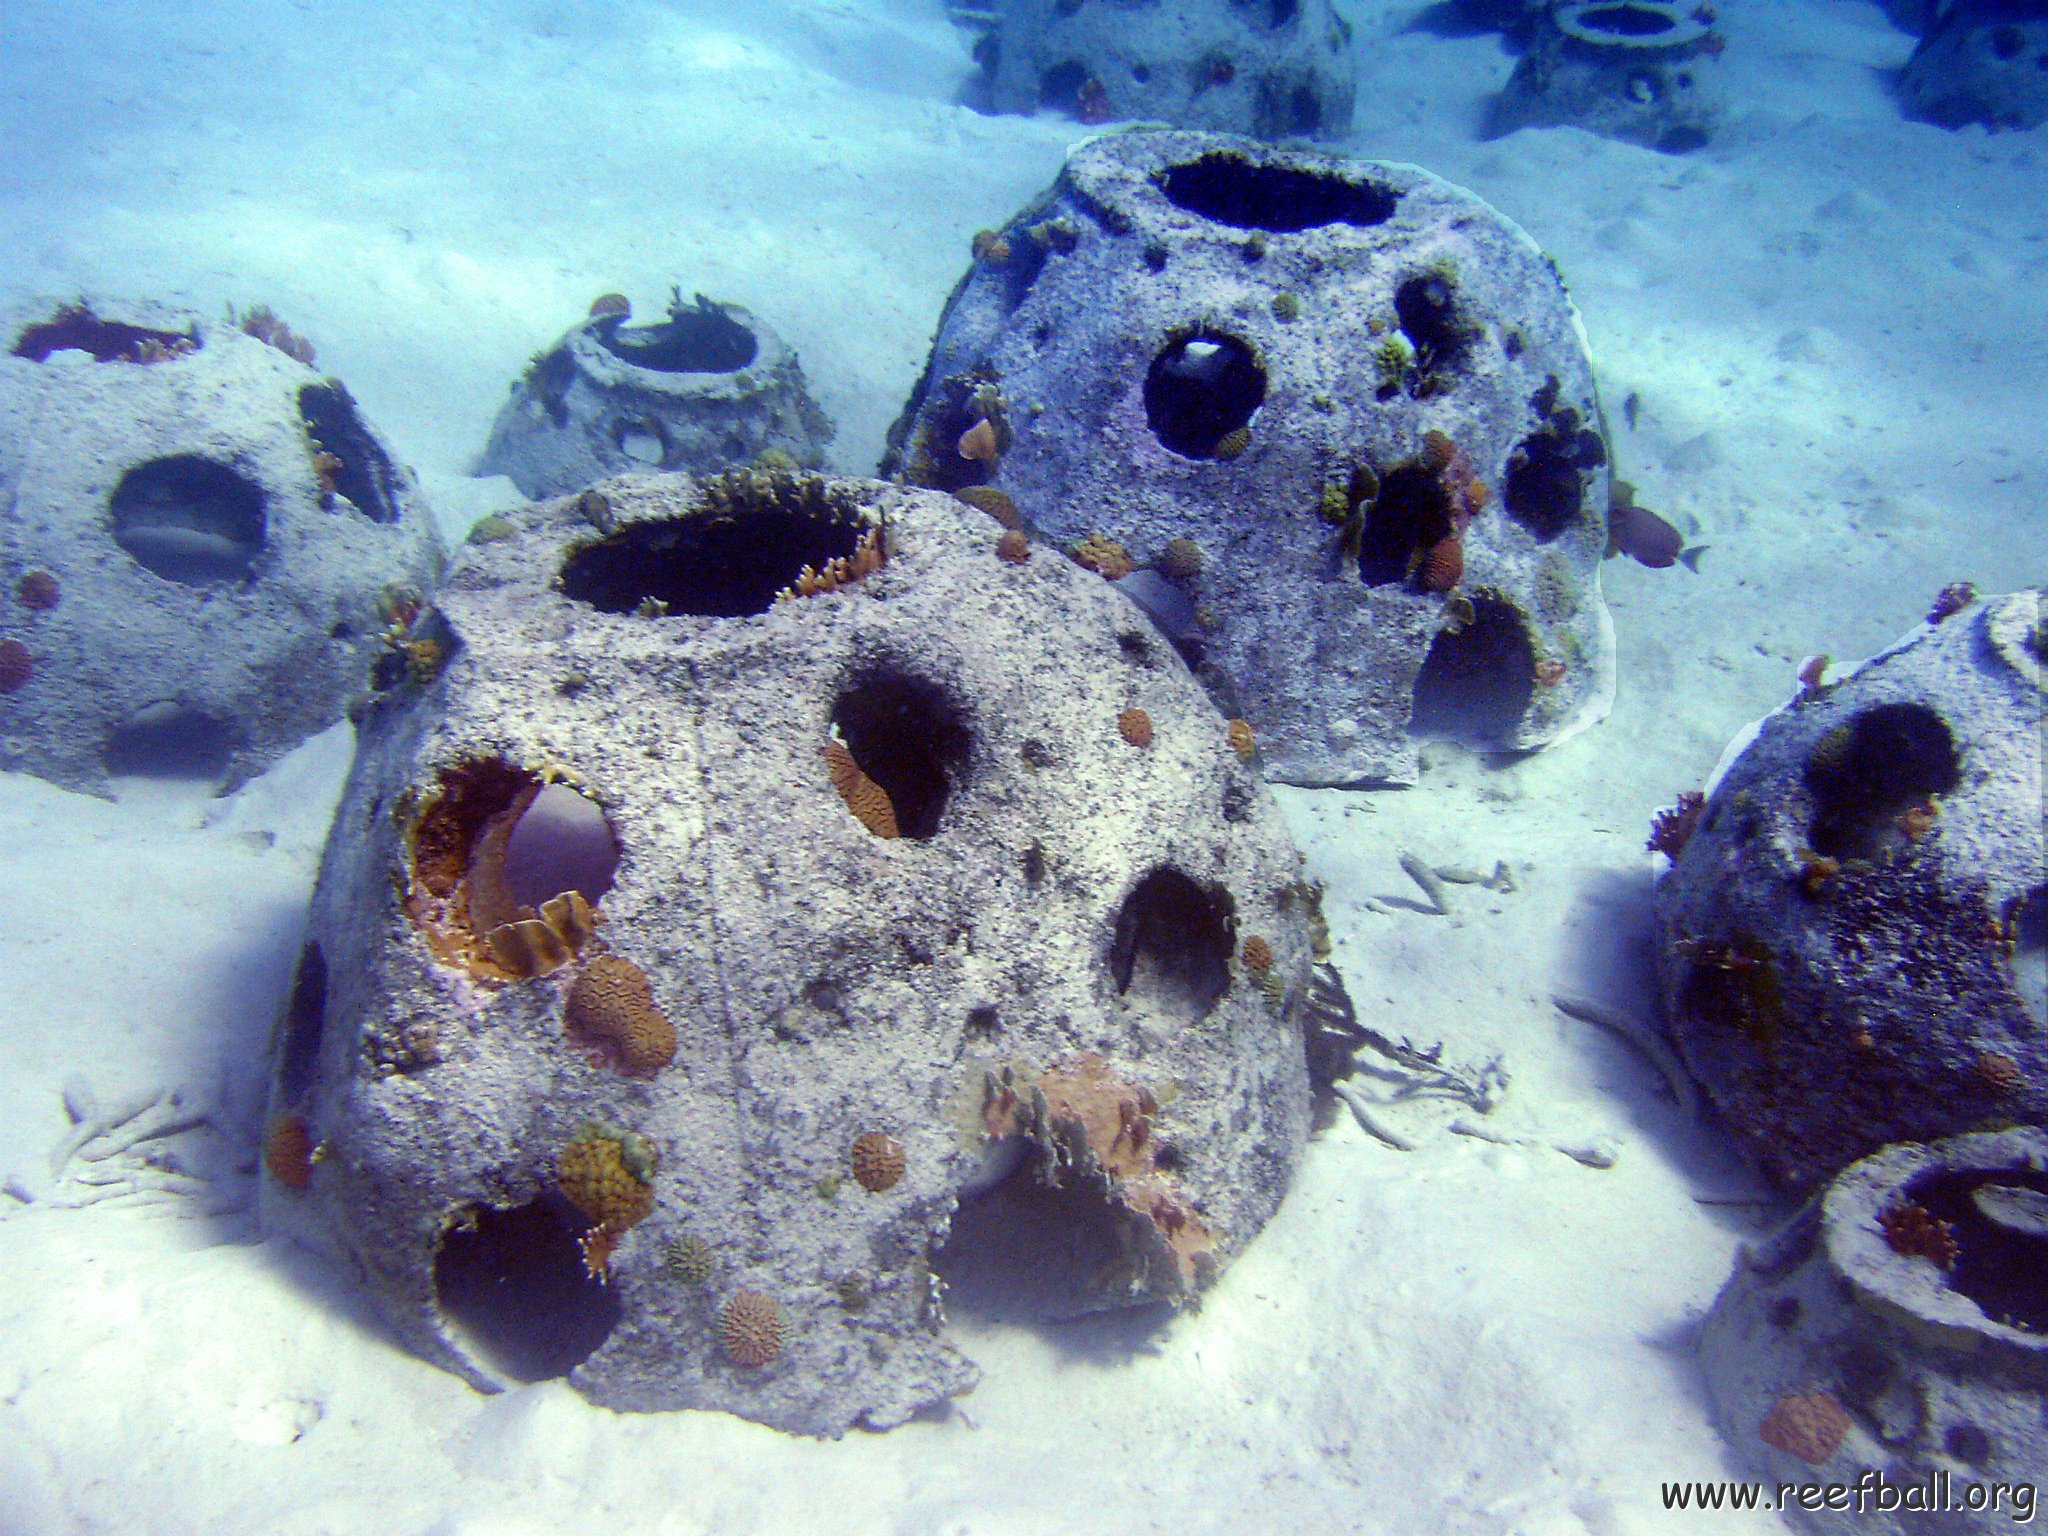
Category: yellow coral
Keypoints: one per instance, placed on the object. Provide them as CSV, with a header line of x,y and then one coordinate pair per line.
x,y
611,1008
868,801
592,1172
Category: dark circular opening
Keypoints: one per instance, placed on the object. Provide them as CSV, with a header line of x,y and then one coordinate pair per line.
x,y
1202,387
1141,74
1999,1220
2007,41
513,1289
700,338
1059,88
1475,685
189,519
364,473
1426,308
909,738
1545,486
304,1024
1232,190
1275,13
1873,777
1623,20
1170,950
2029,928
170,741
753,541
561,842
75,328
642,439
1967,1443
1411,514
1682,140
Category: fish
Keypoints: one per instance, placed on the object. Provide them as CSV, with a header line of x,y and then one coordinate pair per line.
x,y
1645,537
2014,1207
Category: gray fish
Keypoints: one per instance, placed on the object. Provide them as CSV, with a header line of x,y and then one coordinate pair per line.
x,y
2013,1207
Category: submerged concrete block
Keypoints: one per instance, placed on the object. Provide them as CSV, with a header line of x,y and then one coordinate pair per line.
x,y
1891,1342
1851,941
206,551
708,387
1981,61
1645,71
1331,421
775,882
1271,68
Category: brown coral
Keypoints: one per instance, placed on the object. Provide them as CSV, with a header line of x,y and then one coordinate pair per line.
x,y
1258,955
38,591
990,246
841,571
1442,566
1242,742
751,1329
610,304
2001,1074
16,666
288,1151
1181,559
878,1161
534,946
979,443
868,801
1104,556
611,1011
1135,726
592,1172
265,326
1917,1233
1809,1425
1672,828
1013,547
1549,672
993,500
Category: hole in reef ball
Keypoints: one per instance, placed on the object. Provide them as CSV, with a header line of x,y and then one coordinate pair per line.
x,y
1233,190
168,740
641,442
1171,947
1625,20
717,567
701,339
560,843
1866,775
366,476
1476,685
189,519
908,737
512,1288
1410,514
1202,387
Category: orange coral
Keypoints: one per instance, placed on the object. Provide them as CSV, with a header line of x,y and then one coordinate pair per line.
x,y
1809,1425
1104,556
1242,742
1013,547
1258,955
993,500
1442,566
868,801
1917,819
610,304
751,1329
979,443
611,1010
841,571
288,1151
878,1161
1917,1233
1549,672
592,1172
1135,726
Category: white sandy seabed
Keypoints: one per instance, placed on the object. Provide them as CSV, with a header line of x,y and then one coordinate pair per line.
x,y
1836,326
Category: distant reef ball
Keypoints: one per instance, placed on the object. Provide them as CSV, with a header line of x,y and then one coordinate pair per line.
x,y
1331,423
207,553
1851,941
1644,71
706,387
1981,61
1272,68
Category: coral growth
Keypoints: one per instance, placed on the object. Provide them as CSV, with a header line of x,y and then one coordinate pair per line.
x,y
1104,556
1242,742
690,1259
1012,547
262,323
1672,828
1809,1425
1951,600
1549,672
38,591
979,443
839,572
878,1161
1135,726
608,1176
16,666
610,304
288,1151
866,799
1181,559
750,1327
1917,1233
990,246
1257,955
997,503
75,328
1442,565
611,1012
